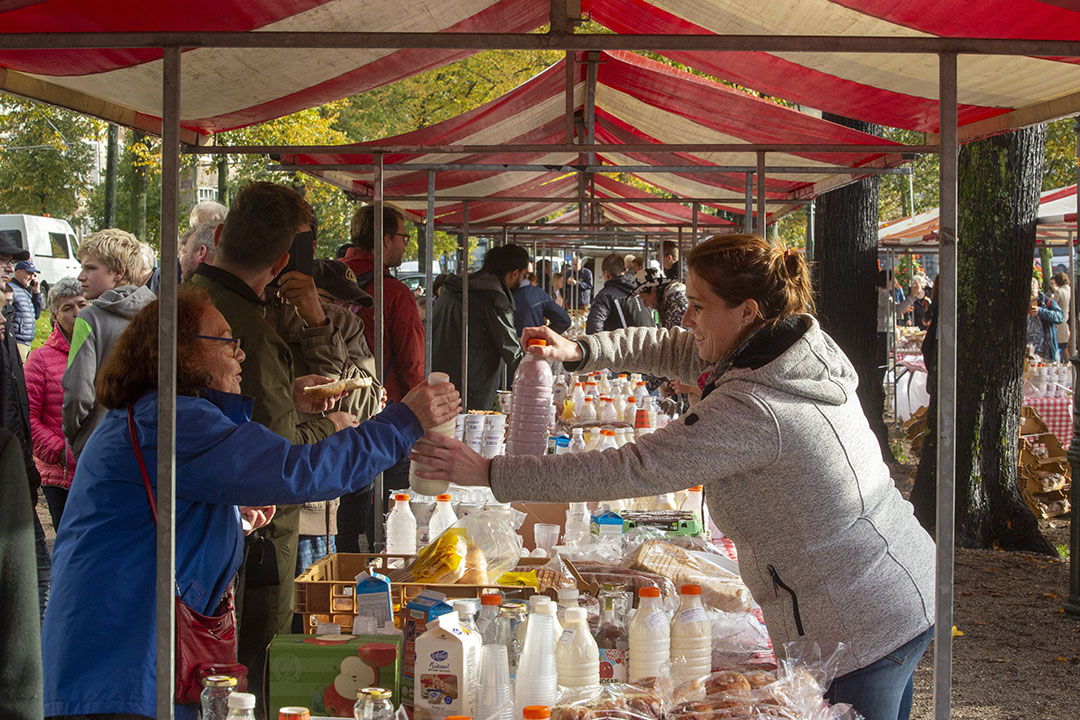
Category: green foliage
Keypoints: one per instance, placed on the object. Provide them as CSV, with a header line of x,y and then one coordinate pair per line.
x,y
907,267
46,157
895,193
42,329
1059,165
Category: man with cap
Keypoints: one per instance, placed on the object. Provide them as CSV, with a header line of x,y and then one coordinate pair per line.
x,y
27,303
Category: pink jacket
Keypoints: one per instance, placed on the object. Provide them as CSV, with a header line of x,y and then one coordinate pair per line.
x,y
44,370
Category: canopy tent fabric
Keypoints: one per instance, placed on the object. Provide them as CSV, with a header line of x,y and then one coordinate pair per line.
x,y
1056,224
226,88
996,93
637,101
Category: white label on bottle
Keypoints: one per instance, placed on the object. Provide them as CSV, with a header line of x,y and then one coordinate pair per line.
x,y
656,620
692,615
567,636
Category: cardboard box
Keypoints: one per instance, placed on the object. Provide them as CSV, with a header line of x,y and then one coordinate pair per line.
x,y
323,672
419,612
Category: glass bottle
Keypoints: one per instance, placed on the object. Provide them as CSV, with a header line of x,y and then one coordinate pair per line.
x,y
215,696
511,615
613,643
373,704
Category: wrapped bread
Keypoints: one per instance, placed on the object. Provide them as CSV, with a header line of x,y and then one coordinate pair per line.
x,y
719,589
476,568
443,561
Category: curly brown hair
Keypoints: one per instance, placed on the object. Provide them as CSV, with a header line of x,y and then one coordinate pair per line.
x,y
131,369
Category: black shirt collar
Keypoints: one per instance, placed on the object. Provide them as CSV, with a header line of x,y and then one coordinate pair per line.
x,y
230,281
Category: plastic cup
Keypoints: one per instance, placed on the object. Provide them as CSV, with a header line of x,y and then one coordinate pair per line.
x,y
546,535
495,697
475,423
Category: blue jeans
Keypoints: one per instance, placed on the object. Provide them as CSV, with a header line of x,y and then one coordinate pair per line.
x,y
44,564
883,690
309,549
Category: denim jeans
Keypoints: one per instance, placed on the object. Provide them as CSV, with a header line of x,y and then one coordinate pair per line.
x,y
56,498
311,548
883,690
44,564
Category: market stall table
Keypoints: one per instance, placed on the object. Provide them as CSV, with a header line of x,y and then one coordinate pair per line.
x,y
1056,412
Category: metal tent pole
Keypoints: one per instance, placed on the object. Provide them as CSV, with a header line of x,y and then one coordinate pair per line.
x,y
946,428
693,242
429,256
748,211
464,244
165,586
811,213
761,194
380,326
1072,605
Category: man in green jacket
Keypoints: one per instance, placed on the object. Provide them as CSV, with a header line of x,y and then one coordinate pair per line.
x,y
252,249
493,341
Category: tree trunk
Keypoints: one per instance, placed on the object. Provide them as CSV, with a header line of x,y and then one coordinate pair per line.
x,y
846,257
110,175
223,179
999,181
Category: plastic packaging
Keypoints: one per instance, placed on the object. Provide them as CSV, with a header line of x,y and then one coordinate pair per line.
x,y
401,528
578,519
691,636
442,518
532,406
241,706
607,440
576,655
489,614
588,410
466,612
537,676
607,410
611,701
421,485
577,440
650,636
568,598
495,695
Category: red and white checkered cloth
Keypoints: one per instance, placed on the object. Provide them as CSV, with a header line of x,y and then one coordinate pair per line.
x,y
1056,412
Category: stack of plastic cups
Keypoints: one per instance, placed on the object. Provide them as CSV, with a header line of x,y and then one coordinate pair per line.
x,y
495,697
494,435
537,677
459,427
474,431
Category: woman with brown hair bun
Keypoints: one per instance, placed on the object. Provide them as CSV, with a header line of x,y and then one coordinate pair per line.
x,y
98,635
792,472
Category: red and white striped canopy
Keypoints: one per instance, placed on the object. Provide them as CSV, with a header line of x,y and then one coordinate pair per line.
x,y
637,101
227,88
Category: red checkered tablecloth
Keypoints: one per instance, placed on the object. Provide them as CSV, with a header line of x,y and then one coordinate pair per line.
x,y
1056,412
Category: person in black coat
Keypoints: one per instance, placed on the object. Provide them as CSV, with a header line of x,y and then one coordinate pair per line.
x,y
616,306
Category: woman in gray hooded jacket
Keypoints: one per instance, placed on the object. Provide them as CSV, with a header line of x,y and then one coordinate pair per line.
x,y
792,472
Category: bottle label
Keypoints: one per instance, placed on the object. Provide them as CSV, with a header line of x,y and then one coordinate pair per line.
x,y
567,636
656,620
613,666
692,615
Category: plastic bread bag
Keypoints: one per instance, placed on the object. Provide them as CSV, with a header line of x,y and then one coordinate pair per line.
x,y
618,701
739,639
720,588
494,544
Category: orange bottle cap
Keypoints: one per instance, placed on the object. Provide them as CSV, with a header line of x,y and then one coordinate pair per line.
x,y
699,488
588,398
442,498
690,590
491,599
401,496
535,712
537,341
649,592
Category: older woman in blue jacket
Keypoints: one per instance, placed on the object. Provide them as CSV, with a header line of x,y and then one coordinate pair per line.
x,y
99,631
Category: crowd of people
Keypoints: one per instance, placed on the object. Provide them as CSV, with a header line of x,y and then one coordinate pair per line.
x,y
269,477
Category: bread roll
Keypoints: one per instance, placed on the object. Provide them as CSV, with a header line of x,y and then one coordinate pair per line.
x,y
333,389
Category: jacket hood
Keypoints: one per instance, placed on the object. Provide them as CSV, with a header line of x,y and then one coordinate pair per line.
x,y
480,281
812,366
125,301
623,282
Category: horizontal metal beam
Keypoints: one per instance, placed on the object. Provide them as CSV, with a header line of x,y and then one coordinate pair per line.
x,y
316,39
498,167
617,201
547,148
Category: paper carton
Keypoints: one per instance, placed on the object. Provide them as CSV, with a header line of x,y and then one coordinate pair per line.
x,y
447,670
419,612
324,672
372,598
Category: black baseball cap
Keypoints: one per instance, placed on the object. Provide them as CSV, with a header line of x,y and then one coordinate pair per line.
x,y
9,248
338,279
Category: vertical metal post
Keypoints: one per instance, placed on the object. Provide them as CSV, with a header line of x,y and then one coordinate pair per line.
x,y
165,584
464,389
748,211
693,241
645,253
380,324
811,214
946,427
761,194
429,256
1072,605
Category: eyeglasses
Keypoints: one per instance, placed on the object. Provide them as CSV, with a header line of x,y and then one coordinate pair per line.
x,y
235,342
400,235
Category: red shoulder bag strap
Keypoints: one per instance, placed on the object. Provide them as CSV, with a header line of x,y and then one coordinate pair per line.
x,y
142,463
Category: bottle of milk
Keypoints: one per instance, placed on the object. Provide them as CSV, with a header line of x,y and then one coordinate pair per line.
x,y
691,636
421,485
576,655
650,636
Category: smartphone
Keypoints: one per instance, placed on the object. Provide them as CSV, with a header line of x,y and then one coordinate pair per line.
x,y
302,252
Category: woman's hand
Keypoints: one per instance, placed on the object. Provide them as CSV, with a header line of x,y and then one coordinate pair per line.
x,y
433,404
558,348
445,458
257,516
307,404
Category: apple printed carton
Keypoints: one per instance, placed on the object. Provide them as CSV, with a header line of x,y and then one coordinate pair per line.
x,y
419,612
447,670
323,672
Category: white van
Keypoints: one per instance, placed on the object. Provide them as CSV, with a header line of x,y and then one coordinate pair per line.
x,y
51,241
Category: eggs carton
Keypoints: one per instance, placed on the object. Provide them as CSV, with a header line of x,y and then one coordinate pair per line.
x,y
447,670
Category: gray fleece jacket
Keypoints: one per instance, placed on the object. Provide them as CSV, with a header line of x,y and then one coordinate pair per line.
x,y
793,475
97,328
